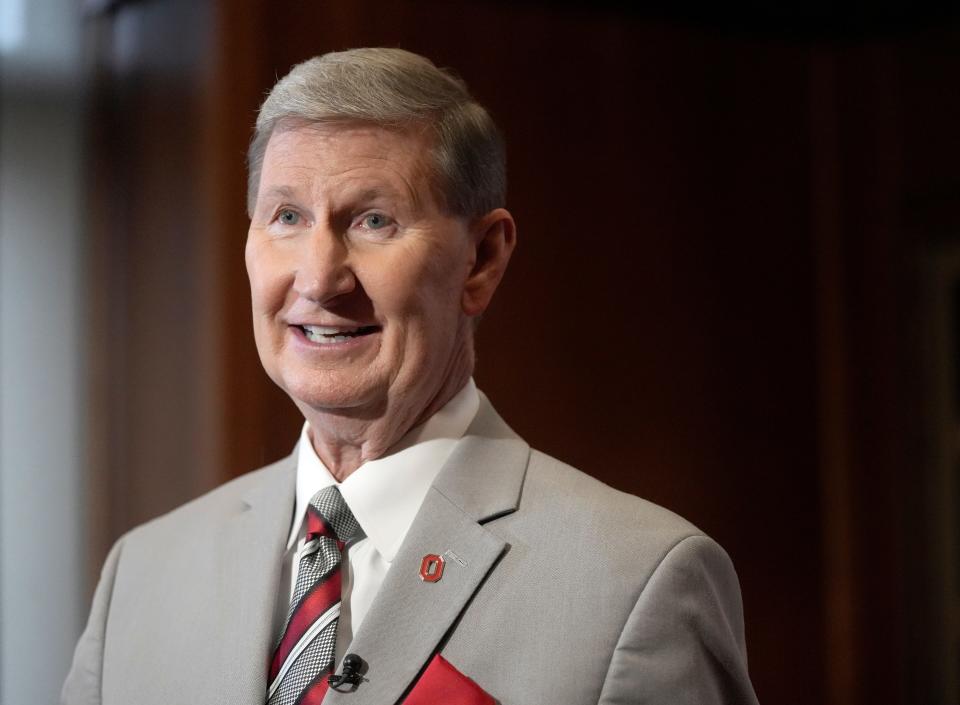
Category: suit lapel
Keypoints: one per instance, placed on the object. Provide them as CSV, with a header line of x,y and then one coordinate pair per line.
x,y
409,618
247,572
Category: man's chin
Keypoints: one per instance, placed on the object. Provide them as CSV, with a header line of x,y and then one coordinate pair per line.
x,y
341,402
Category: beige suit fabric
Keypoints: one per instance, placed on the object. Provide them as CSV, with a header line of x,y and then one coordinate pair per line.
x,y
557,590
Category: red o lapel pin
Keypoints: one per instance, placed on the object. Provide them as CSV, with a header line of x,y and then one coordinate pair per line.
x,y
431,568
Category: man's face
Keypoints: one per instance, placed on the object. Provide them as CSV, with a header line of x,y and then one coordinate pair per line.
x,y
356,276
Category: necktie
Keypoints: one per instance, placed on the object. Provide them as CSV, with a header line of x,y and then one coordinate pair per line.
x,y
305,655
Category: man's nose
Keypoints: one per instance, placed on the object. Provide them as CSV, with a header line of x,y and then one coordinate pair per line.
x,y
324,269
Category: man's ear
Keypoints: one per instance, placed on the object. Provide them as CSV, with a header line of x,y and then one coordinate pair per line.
x,y
494,237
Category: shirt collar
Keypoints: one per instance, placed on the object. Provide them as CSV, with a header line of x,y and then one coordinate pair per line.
x,y
385,494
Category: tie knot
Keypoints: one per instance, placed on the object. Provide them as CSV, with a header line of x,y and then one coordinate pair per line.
x,y
329,511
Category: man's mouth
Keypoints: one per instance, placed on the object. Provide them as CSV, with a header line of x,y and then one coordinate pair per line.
x,y
335,334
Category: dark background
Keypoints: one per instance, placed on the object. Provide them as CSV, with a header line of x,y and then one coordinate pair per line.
x,y
737,225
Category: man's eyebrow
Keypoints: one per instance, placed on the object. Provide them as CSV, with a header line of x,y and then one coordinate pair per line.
x,y
372,192
284,192
388,191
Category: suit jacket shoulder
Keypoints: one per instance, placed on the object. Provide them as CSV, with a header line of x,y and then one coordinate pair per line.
x,y
214,508
606,514
184,608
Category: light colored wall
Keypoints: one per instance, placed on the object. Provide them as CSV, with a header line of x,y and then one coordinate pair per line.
x,y
42,539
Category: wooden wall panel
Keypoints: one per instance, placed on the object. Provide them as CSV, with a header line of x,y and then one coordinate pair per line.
x,y
712,304
153,428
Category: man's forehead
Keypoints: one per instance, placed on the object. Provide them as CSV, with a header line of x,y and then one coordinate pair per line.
x,y
347,148
362,160
362,139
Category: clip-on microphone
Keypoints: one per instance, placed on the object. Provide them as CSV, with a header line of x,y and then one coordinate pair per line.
x,y
350,675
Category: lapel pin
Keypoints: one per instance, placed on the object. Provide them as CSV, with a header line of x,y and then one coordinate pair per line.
x,y
450,554
431,568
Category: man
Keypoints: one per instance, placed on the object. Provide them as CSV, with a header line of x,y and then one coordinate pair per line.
x,y
411,528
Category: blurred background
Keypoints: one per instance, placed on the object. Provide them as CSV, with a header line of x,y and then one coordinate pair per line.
x,y
737,293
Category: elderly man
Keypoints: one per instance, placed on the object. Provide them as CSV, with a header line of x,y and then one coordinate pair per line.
x,y
412,548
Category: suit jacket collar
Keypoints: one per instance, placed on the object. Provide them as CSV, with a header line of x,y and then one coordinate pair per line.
x,y
410,618
488,444
484,474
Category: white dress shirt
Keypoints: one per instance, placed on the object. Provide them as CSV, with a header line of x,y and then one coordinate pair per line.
x,y
384,495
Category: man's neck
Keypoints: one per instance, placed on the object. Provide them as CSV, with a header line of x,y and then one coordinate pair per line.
x,y
344,443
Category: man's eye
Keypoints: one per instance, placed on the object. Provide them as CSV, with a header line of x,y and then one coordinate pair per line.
x,y
375,221
288,217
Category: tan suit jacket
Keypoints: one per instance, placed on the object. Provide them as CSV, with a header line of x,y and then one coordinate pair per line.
x,y
562,590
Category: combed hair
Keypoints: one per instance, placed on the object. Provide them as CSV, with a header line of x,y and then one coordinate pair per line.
x,y
396,89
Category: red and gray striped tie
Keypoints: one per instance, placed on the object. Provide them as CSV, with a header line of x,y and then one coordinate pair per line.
x,y
305,654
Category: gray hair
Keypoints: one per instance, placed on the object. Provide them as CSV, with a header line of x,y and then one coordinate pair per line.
x,y
393,88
